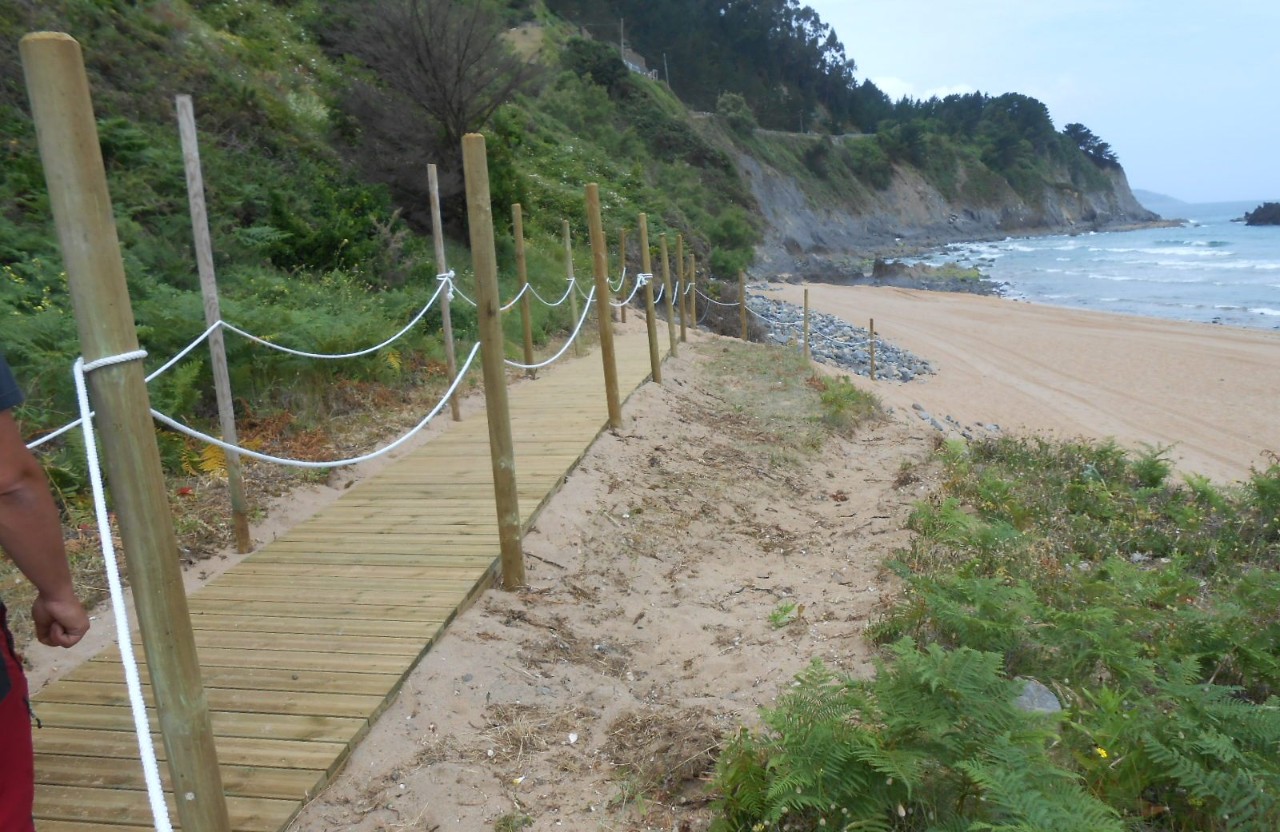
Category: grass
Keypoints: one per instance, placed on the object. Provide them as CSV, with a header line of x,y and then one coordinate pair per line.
x,y
1150,607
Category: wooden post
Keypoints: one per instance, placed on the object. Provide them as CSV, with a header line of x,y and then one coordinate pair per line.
x,y
484,259
622,265
680,289
442,267
69,149
651,324
807,353
573,286
602,297
667,296
522,271
213,314
742,303
693,290
872,342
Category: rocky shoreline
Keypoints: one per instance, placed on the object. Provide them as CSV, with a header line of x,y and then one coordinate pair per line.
x,y
834,341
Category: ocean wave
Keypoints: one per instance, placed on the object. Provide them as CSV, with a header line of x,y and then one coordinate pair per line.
x,y
1266,310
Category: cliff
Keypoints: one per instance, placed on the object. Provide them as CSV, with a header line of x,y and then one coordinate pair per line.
x,y
809,231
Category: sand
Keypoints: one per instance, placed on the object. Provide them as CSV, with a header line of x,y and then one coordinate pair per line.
x,y
1208,391
596,698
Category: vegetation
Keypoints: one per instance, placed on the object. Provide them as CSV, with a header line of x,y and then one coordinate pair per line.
x,y
1148,607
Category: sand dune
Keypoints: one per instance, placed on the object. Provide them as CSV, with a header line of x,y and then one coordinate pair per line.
x,y
1211,392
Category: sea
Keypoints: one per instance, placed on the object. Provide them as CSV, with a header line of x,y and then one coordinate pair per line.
x,y
1210,270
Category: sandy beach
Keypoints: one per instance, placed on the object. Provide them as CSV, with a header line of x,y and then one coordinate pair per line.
x,y
1207,391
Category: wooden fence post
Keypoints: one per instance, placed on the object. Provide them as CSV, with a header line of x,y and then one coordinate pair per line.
x,y
693,289
807,353
651,324
622,265
68,138
872,342
484,260
681,288
667,296
522,272
213,314
598,244
742,303
573,285
442,267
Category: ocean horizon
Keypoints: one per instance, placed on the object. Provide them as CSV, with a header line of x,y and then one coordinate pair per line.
x,y
1209,270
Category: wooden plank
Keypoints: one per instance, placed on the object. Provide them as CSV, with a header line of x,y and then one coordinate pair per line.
x,y
254,679
328,643
248,814
424,611
280,625
225,724
236,751
249,701
241,781
336,595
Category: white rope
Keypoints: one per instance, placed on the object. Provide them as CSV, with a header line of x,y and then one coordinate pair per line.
x,y
658,297
75,423
460,294
146,749
641,280
621,280
447,280
567,291
332,356
577,329
337,463
515,299
796,328
716,302
582,292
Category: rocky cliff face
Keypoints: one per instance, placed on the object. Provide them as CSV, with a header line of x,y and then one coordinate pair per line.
x,y
911,214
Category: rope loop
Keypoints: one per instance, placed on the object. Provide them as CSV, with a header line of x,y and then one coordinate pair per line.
x,y
110,360
447,280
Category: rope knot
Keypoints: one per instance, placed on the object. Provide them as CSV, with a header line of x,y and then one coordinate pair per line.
x,y
109,360
447,280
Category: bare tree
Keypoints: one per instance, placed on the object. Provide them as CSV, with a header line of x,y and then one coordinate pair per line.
x,y
447,63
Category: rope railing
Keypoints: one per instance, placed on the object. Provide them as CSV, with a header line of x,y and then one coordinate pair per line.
x,y
506,307
568,343
641,280
133,682
710,299
446,283
621,280
337,463
567,291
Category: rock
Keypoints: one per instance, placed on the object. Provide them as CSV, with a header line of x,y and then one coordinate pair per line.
x,y
1037,699
1268,213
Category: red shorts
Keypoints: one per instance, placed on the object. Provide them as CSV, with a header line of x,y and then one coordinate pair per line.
x,y
17,768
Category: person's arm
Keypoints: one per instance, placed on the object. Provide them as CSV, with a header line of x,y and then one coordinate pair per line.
x,y
31,534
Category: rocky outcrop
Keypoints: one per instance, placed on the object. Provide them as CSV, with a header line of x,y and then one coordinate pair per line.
x,y
1268,213
807,241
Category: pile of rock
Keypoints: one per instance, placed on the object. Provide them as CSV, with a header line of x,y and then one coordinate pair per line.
x,y
836,342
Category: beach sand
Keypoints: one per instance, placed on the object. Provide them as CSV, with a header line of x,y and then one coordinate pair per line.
x,y
1207,391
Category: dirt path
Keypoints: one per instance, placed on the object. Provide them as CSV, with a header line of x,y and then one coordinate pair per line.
x,y
1209,391
688,569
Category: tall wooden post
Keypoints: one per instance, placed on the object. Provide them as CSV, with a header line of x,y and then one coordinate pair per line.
x,y
693,290
573,285
622,266
484,260
807,352
872,332
667,296
72,157
681,288
442,267
742,303
651,324
522,271
213,314
600,261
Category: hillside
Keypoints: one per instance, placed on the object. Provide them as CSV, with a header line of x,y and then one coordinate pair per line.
x,y
315,146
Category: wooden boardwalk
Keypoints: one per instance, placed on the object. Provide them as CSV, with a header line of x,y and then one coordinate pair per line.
x,y
306,641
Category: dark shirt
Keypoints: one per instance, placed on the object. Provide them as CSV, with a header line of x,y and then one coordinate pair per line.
x,y
10,393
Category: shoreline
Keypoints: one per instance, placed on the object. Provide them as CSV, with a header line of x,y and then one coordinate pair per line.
x,y
1201,390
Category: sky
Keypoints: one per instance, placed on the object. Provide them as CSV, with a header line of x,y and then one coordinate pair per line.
x,y
1185,91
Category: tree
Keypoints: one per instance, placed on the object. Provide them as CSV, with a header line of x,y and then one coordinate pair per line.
x,y
1095,148
441,70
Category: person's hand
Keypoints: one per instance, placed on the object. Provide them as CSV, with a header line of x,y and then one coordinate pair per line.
x,y
59,622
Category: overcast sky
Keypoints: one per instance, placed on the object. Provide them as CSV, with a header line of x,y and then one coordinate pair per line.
x,y
1185,91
